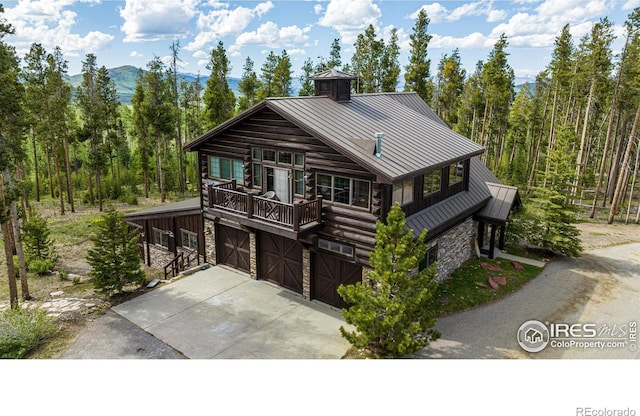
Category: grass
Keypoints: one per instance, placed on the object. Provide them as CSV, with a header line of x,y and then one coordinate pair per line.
x,y
468,286
22,331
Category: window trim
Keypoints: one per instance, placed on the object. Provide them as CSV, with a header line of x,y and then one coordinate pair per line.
x,y
189,234
331,244
351,189
163,234
403,200
424,182
233,165
427,262
453,175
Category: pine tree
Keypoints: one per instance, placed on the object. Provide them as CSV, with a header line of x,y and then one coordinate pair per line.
x,y
418,72
267,77
248,86
38,245
390,67
451,78
218,98
282,76
365,61
114,258
307,87
390,308
335,59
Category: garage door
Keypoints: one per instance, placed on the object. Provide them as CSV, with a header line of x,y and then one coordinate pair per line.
x,y
232,247
280,261
328,273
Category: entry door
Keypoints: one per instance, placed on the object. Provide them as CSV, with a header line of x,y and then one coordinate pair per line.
x,y
279,181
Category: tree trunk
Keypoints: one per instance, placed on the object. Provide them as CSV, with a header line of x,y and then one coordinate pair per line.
x,y
17,239
604,161
61,192
49,173
585,127
92,199
633,185
99,187
623,169
159,167
8,253
35,164
67,163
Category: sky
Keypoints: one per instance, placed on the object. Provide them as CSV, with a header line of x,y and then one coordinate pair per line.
x,y
133,32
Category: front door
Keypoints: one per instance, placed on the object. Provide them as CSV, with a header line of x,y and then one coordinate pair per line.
x,y
279,181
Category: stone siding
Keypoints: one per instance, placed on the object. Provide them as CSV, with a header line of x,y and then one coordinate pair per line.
x,y
253,256
210,241
455,247
306,273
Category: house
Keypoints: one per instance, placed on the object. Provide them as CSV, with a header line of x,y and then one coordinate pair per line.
x,y
168,232
292,187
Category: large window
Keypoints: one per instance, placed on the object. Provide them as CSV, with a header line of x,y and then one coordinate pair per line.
x,y
403,192
161,238
339,248
189,239
456,173
431,183
348,191
223,168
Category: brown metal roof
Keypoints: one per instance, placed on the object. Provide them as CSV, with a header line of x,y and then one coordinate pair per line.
x,y
504,198
191,204
415,140
332,74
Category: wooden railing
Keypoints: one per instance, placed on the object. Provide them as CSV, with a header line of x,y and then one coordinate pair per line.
x,y
226,197
180,263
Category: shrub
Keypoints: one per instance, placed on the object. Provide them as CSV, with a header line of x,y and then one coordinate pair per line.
x,y
39,266
21,331
38,245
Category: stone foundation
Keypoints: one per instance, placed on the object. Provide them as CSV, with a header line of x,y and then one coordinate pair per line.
x,y
306,273
210,241
455,247
253,256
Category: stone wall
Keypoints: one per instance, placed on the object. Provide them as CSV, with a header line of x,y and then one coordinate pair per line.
x,y
306,273
455,247
210,241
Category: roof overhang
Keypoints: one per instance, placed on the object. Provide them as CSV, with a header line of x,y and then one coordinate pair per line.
x,y
503,200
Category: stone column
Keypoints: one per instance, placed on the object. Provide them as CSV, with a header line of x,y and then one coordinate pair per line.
x,y
306,273
365,273
210,241
253,256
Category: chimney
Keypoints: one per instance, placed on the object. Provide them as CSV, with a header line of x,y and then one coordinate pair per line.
x,y
333,84
379,136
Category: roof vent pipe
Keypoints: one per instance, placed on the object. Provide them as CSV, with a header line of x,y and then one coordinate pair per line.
x,y
379,137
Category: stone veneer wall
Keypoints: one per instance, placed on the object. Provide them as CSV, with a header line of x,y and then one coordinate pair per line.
x,y
455,247
210,241
253,256
306,273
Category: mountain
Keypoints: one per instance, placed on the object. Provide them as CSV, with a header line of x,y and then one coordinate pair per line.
x,y
125,80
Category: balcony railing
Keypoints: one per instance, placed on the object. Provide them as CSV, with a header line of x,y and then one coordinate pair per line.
x,y
226,197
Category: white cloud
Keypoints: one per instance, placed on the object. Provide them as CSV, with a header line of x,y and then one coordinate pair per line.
x,y
318,8
296,51
473,40
350,17
51,23
156,20
496,15
135,54
438,13
270,34
631,4
222,21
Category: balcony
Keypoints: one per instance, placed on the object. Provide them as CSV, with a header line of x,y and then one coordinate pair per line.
x,y
225,200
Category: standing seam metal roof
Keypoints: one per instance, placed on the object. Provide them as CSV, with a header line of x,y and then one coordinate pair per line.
x,y
415,139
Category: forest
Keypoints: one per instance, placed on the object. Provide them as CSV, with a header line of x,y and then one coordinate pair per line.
x,y
569,141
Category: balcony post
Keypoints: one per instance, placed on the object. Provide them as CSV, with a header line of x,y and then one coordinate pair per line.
x,y
319,212
296,216
233,184
210,195
249,205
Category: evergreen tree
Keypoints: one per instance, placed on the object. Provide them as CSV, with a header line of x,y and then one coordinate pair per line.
x,y
390,308
114,258
282,76
218,98
335,59
39,247
451,77
365,61
307,87
390,67
267,77
248,86
418,73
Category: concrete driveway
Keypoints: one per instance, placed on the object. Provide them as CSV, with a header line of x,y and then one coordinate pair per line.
x,y
602,287
222,313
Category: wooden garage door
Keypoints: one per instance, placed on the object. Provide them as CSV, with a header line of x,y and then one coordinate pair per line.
x,y
232,247
328,273
280,261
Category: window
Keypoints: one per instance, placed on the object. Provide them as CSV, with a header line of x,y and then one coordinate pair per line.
x,y
189,239
269,155
161,238
429,258
257,175
403,192
256,154
299,159
431,183
284,158
223,168
348,191
298,186
339,248
456,173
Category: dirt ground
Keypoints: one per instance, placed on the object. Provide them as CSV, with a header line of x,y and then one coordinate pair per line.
x,y
599,235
